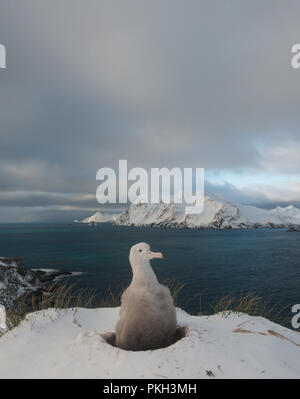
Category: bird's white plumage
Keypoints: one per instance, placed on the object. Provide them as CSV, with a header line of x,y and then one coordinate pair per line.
x,y
147,315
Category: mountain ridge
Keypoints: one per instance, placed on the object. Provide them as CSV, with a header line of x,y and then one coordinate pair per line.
x,y
216,215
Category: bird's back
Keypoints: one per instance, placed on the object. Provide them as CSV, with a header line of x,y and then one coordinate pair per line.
x,y
147,318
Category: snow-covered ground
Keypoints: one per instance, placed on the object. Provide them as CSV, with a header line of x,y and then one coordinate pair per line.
x,y
69,344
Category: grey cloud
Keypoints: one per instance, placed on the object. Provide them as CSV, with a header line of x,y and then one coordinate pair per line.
x,y
203,83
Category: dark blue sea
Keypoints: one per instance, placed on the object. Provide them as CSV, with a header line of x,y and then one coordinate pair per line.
x,y
209,262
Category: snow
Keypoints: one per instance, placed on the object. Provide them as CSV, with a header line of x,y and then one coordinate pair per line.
x,y
15,281
216,214
290,213
96,218
68,344
47,271
7,262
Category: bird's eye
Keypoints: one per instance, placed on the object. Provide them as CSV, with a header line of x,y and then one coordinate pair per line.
x,y
140,250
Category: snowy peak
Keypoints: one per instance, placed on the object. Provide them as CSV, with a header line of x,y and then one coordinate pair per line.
x,y
216,215
97,218
289,213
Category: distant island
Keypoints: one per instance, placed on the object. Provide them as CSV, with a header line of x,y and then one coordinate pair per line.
x,y
216,215
97,218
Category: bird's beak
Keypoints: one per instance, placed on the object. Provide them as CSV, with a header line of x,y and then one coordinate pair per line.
x,y
151,255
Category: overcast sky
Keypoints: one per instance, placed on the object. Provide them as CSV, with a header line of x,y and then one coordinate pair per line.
x,y
159,83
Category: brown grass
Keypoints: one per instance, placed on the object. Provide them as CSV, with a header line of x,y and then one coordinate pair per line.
x,y
66,295
250,303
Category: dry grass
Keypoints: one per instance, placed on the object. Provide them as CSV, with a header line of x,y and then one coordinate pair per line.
x,y
175,289
250,303
67,295
58,296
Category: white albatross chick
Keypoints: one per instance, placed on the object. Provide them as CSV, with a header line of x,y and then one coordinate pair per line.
x,y
147,315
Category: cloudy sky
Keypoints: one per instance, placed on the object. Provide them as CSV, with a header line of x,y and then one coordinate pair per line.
x,y
160,83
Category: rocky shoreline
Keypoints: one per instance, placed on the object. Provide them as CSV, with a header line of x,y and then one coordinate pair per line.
x,y
294,230
17,281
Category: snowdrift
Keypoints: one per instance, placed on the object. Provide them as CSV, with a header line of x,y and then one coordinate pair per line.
x,y
70,344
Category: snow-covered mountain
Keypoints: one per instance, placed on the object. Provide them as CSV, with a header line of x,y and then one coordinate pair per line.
x,y
289,213
96,218
216,215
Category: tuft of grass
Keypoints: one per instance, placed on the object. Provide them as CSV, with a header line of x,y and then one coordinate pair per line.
x,y
175,288
64,295
252,304
58,296
111,298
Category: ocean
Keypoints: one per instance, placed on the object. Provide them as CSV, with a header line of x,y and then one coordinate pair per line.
x,y
210,263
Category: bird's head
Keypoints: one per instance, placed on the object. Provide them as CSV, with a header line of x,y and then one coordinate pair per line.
x,y
140,253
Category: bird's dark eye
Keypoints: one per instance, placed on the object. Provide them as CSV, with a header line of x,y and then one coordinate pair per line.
x,y
140,250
